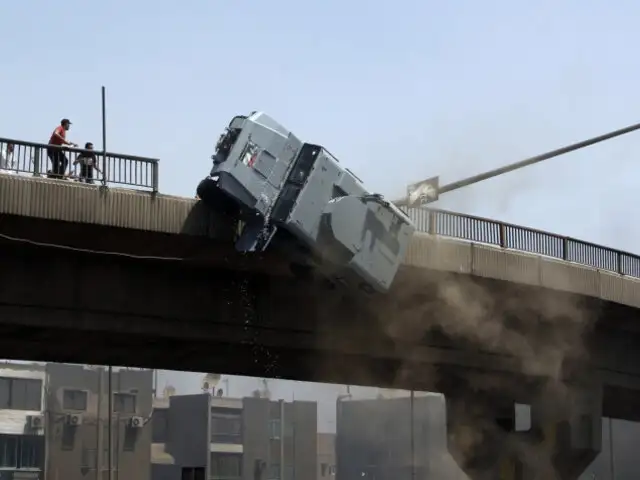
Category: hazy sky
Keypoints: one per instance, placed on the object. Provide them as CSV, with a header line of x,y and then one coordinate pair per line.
x,y
397,90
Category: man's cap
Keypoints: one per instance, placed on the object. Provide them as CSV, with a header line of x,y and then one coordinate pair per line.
x,y
65,120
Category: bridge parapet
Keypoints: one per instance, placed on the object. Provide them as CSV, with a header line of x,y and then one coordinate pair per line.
x,y
524,239
30,159
35,159
446,241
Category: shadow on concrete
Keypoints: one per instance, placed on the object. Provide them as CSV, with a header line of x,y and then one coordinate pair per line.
x,y
204,221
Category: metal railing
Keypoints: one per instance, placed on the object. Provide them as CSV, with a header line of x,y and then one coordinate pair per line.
x,y
87,166
505,235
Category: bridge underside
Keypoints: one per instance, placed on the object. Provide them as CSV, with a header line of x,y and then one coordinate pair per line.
x,y
437,331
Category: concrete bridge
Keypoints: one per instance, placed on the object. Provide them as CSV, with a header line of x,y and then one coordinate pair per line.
x,y
485,312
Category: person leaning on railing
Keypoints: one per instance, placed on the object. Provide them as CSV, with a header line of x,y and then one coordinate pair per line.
x,y
59,160
88,162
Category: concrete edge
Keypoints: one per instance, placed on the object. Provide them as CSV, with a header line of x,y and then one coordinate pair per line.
x,y
459,256
122,208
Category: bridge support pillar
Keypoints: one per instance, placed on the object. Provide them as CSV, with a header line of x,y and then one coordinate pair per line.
x,y
564,438
566,432
478,433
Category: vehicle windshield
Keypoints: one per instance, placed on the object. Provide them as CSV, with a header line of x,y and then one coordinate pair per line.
x,y
237,122
228,138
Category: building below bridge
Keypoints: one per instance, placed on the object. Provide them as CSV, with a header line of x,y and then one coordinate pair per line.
x,y
209,437
22,420
374,438
54,422
53,425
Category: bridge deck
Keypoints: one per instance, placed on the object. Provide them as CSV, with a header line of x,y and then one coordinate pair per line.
x,y
69,202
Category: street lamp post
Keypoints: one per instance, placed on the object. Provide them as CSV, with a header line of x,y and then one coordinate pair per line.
x,y
110,421
428,191
612,459
413,441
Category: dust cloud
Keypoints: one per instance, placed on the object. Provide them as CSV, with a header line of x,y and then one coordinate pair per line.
x,y
534,333
529,333
539,332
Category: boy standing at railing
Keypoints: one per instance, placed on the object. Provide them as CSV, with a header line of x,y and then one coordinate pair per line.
x,y
59,160
88,162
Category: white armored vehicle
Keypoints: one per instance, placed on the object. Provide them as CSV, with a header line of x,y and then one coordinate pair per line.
x,y
296,197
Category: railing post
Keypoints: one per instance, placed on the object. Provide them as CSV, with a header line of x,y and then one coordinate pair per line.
x,y
104,167
565,248
503,235
155,177
619,265
36,163
432,219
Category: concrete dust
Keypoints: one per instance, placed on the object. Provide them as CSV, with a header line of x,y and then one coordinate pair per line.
x,y
532,331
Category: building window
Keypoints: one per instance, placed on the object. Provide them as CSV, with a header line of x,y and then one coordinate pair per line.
x,y
20,393
8,451
274,472
226,466
226,428
130,439
192,473
274,428
30,450
21,451
74,400
124,403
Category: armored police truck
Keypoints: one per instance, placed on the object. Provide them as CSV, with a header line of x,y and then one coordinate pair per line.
x,y
296,197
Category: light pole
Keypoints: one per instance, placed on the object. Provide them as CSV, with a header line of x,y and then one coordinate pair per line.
x,y
110,421
104,135
413,441
612,463
422,193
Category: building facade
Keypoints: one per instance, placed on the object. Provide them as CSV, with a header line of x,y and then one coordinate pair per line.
x,y
391,438
216,438
77,429
22,421
54,422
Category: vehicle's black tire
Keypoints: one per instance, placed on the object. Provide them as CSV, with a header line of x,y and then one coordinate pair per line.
x,y
214,198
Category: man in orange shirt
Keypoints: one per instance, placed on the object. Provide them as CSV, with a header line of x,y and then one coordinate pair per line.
x,y
59,160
